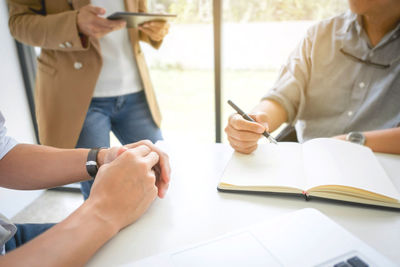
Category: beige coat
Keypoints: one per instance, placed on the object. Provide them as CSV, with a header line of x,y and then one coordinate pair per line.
x,y
67,72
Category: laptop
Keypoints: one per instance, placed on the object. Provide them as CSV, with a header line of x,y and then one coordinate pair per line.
x,y
302,238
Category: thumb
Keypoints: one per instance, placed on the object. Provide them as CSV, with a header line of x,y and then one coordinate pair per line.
x,y
261,118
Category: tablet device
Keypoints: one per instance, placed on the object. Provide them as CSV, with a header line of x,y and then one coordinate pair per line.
x,y
133,20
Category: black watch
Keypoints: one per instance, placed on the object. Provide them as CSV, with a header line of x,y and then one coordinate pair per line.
x,y
92,165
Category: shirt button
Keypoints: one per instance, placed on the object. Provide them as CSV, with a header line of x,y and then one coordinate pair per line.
x,y
68,44
350,113
361,84
61,45
78,65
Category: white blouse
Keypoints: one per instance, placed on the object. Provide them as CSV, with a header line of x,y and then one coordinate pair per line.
x,y
119,74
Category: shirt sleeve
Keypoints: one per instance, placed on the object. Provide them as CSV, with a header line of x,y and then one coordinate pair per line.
x,y
289,89
6,143
7,230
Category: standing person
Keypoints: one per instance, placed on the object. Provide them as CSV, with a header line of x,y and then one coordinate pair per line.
x,y
342,81
92,77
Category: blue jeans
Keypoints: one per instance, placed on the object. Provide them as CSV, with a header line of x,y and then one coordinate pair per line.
x,y
25,233
127,116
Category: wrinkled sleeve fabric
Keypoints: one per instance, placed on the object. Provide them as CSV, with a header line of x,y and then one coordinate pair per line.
x,y
29,25
6,143
291,85
7,230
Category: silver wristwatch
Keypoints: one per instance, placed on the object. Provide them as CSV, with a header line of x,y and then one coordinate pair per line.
x,y
356,137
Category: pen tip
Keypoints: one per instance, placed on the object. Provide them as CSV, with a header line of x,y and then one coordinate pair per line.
x,y
272,140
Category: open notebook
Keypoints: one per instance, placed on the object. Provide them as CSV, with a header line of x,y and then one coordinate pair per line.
x,y
322,167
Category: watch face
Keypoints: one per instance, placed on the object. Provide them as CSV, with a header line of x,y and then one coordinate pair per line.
x,y
356,137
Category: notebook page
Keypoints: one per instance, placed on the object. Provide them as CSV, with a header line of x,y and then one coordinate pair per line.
x,y
270,165
333,162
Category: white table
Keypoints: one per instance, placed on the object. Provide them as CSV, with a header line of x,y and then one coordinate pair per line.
x,y
194,211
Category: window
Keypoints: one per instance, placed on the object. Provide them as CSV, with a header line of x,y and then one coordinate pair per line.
x,y
182,71
258,37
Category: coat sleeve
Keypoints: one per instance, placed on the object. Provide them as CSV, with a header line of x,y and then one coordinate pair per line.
x,y
142,36
30,24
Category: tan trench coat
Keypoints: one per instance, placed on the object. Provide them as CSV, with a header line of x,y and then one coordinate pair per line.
x,y
67,72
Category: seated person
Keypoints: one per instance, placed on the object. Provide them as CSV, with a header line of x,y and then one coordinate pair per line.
x,y
128,180
343,81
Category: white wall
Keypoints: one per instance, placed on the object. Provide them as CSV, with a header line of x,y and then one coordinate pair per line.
x,y
15,108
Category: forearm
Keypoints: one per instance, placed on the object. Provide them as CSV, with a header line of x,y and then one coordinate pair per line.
x,y
384,141
275,112
72,242
37,167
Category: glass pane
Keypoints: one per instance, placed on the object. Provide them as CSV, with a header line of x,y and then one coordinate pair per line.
x,y
182,71
258,37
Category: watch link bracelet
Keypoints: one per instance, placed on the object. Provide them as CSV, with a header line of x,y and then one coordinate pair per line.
x,y
356,137
91,163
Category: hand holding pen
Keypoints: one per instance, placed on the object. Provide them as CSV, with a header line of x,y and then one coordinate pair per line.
x,y
245,130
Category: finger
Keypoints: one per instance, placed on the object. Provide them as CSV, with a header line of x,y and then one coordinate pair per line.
x,y
142,142
164,164
161,183
121,150
240,124
261,118
242,144
155,25
244,150
96,10
152,177
156,31
141,150
152,159
150,33
162,188
242,135
109,24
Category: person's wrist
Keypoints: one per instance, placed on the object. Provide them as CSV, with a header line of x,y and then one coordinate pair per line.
x,y
101,156
356,137
94,214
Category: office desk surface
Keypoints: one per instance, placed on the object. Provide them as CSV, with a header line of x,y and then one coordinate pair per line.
x,y
194,211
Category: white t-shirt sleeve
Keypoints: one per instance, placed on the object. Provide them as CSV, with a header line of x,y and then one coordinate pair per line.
x,y
6,143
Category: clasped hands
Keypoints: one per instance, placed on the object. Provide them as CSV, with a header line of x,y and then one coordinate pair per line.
x,y
91,24
128,181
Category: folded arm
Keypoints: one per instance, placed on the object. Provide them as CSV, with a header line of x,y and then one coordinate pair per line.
x,y
122,192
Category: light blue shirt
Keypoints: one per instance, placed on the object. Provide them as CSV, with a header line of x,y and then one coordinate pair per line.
x,y
327,91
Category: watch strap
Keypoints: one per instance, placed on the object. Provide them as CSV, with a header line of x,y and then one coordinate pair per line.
x,y
91,163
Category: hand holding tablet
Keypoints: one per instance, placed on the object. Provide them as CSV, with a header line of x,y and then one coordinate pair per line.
x,y
133,20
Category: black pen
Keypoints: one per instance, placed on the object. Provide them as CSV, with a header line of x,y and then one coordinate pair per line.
x,y
247,117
